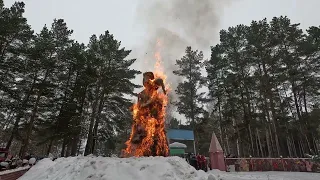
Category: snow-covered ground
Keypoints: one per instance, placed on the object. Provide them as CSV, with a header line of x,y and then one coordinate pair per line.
x,y
146,168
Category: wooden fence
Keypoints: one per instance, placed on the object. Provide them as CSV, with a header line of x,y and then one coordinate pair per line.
x,y
13,174
272,164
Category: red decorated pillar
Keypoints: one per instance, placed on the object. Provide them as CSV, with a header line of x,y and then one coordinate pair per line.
x,y
216,154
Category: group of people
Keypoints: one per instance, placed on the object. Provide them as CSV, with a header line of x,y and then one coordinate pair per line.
x,y
12,162
197,161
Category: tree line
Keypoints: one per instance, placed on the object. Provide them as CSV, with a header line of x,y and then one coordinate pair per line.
x,y
55,91
264,86
64,97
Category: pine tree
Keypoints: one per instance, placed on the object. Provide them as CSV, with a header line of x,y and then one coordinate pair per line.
x,y
259,79
113,82
188,91
50,84
15,40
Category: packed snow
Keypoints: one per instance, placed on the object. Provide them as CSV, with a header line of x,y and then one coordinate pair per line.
x,y
177,145
105,168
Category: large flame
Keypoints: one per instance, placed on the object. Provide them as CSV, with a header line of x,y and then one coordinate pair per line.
x,y
154,128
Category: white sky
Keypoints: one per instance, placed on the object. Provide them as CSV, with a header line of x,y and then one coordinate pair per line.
x,y
87,17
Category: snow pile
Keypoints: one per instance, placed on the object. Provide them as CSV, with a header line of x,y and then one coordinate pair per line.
x,y
314,158
104,168
177,145
32,161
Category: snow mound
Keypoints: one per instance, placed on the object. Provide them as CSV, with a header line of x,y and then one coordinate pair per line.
x,y
104,168
177,145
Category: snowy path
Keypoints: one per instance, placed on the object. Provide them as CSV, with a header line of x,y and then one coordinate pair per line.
x,y
271,175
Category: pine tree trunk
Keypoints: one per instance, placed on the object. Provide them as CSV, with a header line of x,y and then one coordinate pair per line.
x,y
20,113
315,144
96,125
30,126
275,128
63,149
25,144
310,135
95,134
294,91
268,129
273,154
294,146
291,146
257,147
74,145
246,118
68,151
268,94
49,147
268,143
76,136
79,147
251,140
220,127
88,147
261,147
228,145
236,130
301,148
305,99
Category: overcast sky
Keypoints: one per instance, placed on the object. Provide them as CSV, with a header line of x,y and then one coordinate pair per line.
x,y
87,17
123,19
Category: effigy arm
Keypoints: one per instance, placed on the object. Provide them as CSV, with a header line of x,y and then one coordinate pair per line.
x,y
159,82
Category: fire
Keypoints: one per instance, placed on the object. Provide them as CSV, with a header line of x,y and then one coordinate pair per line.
x,y
148,137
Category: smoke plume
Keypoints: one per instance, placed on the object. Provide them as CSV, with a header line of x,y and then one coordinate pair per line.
x,y
177,24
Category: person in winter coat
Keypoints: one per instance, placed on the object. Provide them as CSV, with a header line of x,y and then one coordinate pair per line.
x,y
193,161
201,162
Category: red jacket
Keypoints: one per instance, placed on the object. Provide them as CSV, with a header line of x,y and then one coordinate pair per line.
x,y
201,158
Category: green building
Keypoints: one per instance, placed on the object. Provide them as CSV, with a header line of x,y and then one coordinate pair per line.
x,y
177,149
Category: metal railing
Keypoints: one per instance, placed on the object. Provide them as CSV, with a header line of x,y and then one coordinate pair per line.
x,y
272,164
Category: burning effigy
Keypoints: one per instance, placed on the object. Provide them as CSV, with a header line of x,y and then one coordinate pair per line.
x,y
148,137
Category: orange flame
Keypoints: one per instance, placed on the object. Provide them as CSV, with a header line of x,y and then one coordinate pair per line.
x,y
154,141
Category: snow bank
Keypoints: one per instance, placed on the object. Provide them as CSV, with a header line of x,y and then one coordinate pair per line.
x,y
103,168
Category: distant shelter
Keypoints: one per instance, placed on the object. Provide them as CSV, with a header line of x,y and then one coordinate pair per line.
x,y
182,136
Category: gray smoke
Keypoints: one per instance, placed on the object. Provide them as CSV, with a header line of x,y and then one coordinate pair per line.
x,y
177,24
196,21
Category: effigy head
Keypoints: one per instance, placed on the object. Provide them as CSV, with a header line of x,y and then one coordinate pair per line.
x,y
146,77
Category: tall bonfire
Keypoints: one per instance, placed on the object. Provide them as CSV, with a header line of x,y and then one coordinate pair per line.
x,y
148,136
